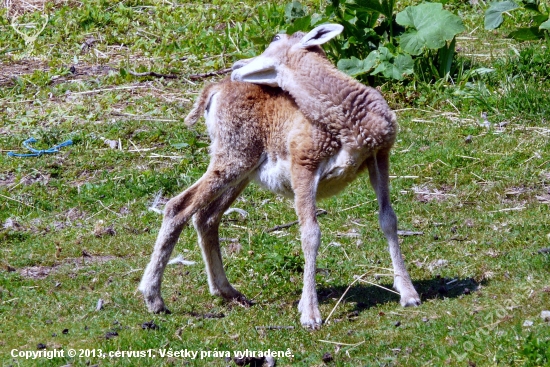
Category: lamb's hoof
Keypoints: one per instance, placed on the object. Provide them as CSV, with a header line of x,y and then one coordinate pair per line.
x,y
409,296
164,311
233,296
242,301
314,324
156,305
310,316
411,301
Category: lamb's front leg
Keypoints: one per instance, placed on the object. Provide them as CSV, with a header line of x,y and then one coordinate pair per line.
x,y
304,183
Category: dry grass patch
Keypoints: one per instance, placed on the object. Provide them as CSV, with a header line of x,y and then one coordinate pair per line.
x,y
19,7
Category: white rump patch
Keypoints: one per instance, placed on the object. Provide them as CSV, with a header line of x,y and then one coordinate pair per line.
x,y
210,117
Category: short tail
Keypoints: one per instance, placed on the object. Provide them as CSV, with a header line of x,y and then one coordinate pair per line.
x,y
201,104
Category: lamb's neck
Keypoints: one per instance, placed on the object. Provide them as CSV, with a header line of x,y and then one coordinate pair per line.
x,y
328,96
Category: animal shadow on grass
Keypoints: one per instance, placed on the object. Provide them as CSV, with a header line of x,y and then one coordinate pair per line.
x,y
367,296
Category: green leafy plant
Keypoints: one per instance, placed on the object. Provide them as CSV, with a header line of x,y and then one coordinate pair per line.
x,y
378,42
539,22
381,61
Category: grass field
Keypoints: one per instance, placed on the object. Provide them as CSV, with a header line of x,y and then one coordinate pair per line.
x,y
470,179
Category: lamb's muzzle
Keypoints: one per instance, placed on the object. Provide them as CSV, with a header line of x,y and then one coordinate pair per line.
x,y
306,138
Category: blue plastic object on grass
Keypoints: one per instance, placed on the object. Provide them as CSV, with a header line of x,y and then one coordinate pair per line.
x,y
36,152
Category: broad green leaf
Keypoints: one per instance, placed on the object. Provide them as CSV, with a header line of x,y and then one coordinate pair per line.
x,y
537,20
545,25
380,6
354,66
403,65
383,57
351,20
318,19
392,66
493,15
294,10
299,24
428,26
527,34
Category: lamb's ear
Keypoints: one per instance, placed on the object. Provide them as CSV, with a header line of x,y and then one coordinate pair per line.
x,y
321,34
259,70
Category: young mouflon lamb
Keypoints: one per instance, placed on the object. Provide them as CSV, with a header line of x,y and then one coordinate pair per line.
x,y
300,128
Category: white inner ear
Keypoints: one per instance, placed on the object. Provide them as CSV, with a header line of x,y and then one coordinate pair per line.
x,y
265,77
321,34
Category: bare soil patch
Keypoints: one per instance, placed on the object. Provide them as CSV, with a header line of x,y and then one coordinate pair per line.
x,y
544,197
75,214
527,194
12,71
82,72
7,179
41,272
70,218
35,177
16,69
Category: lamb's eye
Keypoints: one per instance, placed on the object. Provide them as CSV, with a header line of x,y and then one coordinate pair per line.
x,y
276,38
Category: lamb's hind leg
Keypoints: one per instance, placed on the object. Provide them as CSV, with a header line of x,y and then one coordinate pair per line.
x,y
379,177
177,213
206,222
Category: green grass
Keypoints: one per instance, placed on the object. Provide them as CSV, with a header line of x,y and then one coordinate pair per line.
x,y
480,196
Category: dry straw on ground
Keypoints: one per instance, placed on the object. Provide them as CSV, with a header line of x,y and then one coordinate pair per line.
x,y
18,7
